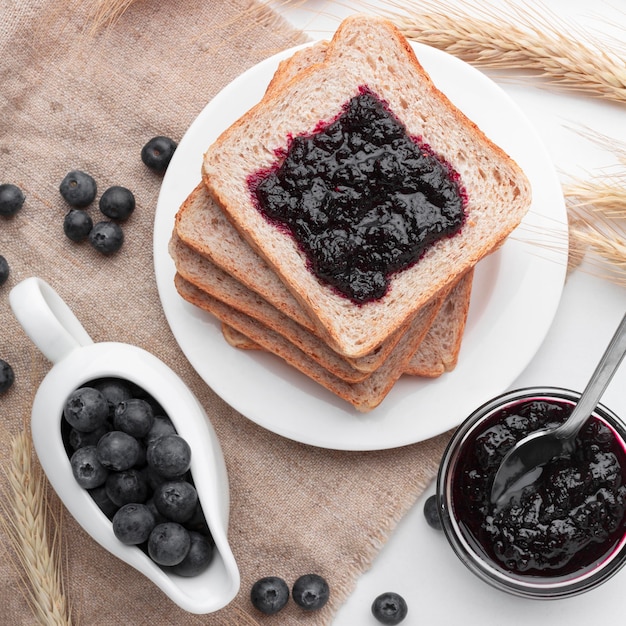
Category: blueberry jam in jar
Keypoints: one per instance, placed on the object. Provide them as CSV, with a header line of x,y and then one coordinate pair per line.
x,y
361,197
559,535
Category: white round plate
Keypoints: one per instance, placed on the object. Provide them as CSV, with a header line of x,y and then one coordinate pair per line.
x,y
514,299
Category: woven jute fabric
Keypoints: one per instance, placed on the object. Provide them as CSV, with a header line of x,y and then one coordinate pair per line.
x,y
75,99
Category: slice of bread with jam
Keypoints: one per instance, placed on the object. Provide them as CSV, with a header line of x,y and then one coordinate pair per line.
x,y
361,271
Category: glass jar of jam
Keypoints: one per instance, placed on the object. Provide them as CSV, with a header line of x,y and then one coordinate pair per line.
x,y
561,533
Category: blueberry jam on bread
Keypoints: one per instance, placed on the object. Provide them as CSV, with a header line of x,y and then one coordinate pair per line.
x,y
362,198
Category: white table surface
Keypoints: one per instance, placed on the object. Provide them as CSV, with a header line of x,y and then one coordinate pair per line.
x,y
417,561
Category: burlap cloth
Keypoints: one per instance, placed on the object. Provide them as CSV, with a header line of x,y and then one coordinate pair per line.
x,y
74,100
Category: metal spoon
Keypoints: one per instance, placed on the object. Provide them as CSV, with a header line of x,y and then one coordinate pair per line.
x,y
539,447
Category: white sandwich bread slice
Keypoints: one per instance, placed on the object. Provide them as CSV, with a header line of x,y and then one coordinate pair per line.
x,y
367,53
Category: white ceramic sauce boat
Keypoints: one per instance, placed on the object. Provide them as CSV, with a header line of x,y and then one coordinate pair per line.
x,y
76,359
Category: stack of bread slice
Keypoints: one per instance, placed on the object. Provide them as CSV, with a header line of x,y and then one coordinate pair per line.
x,y
234,263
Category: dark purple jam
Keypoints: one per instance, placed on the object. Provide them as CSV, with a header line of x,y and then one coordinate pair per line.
x,y
569,519
362,198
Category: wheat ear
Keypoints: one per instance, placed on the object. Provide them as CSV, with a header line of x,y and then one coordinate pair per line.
x,y
28,522
605,245
513,37
605,195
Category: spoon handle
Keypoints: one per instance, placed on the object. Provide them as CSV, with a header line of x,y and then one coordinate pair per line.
x,y
596,386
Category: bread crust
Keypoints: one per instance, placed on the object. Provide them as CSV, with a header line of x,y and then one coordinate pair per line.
x,y
367,51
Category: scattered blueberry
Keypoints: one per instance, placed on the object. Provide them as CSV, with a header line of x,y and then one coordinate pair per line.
x,y
106,237
168,543
158,153
133,523
310,592
269,594
169,456
4,270
11,199
87,469
389,608
78,189
7,376
118,450
117,203
134,416
126,487
176,500
86,409
431,512
77,225
199,557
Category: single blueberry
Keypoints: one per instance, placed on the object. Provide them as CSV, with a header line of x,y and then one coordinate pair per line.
x,y
158,153
199,557
154,479
7,376
133,523
86,409
77,225
106,237
88,471
161,426
11,199
311,592
176,500
198,521
115,390
127,486
431,512
269,594
118,450
4,270
389,608
117,202
168,543
102,500
159,519
79,439
78,188
169,455
134,416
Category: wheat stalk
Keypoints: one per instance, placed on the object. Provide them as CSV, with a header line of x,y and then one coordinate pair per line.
x,y
606,195
605,243
28,522
533,40
106,12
